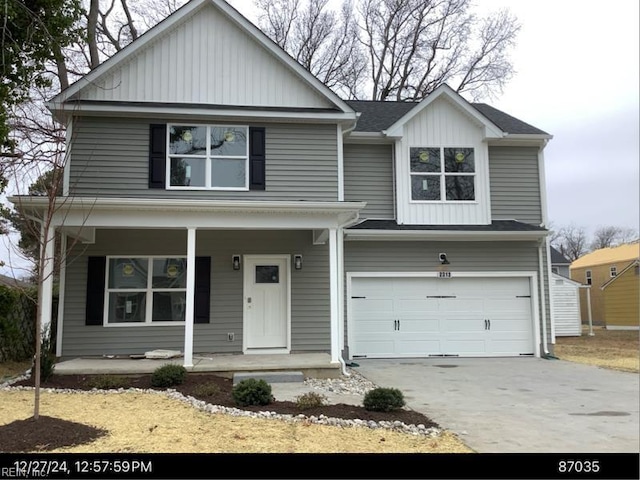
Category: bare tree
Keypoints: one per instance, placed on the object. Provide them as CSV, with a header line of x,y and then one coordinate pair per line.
x,y
322,40
611,236
571,241
395,49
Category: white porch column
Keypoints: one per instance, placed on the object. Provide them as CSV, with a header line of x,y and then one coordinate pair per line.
x,y
341,302
333,292
61,292
189,307
47,249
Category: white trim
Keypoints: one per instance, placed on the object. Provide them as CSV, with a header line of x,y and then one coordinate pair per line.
x,y
246,272
89,212
621,327
190,300
490,129
61,293
180,112
340,164
533,284
448,235
341,304
334,272
47,250
543,302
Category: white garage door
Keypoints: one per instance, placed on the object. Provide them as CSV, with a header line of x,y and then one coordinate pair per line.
x,y
411,317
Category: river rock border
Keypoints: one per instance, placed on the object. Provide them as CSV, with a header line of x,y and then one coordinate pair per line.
x,y
203,406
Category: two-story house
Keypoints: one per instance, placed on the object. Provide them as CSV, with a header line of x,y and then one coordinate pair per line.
x,y
218,198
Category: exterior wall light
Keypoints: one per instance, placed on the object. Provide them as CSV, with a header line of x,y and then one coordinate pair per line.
x,y
443,259
235,261
297,262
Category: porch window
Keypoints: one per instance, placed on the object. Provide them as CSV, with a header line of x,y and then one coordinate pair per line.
x,y
442,174
145,290
214,157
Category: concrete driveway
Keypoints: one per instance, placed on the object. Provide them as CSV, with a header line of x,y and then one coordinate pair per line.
x,y
519,405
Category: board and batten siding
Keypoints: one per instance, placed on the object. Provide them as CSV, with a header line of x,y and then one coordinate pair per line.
x,y
310,306
566,306
110,158
368,177
421,257
206,59
515,184
441,124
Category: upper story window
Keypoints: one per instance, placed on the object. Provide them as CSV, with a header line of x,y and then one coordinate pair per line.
x,y
212,157
442,174
587,276
555,270
145,290
613,271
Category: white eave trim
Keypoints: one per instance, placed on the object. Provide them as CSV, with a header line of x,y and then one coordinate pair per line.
x,y
179,112
173,19
99,212
491,130
368,137
438,235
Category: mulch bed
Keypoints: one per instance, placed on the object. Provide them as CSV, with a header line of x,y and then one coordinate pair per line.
x,y
29,435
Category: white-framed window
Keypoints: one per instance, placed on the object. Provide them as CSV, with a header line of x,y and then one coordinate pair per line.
x,y
587,276
145,290
442,174
613,271
555,270
208,157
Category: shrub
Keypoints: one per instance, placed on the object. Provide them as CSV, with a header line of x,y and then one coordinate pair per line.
x,y
207,389
310,400
252,392
168,375
383,400
108,382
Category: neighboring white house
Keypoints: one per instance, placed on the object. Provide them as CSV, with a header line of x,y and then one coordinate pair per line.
x,y
566,306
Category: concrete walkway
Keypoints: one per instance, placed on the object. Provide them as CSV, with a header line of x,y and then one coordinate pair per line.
x,y
519,405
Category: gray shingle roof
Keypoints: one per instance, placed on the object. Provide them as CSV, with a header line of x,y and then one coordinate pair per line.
x,y
496,226
558,258
377,116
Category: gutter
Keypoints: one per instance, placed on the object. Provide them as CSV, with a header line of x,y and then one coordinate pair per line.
x,y
546,354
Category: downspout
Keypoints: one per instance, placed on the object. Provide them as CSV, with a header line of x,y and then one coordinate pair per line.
x,y
543,299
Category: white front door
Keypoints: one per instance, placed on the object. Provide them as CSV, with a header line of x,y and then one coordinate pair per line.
x,y
266,304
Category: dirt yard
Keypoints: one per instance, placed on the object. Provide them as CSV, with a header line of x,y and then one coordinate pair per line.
x,y
615,349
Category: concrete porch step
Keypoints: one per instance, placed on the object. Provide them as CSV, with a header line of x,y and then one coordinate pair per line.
x,y
269,377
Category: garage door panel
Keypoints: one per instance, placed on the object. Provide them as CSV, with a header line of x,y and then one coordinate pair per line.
x,y
474,316
409,305
419,325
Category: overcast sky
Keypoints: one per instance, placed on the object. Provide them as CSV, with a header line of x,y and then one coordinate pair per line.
x,y
577,78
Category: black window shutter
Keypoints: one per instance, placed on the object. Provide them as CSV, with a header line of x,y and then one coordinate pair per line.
x,y
96,270
203,290
257,157
157,155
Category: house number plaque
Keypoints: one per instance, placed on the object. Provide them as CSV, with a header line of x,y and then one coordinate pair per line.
x,y
444,274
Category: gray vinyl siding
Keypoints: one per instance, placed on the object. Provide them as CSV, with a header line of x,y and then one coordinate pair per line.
x,y
310,305
368,177
515,184
406,256
110,158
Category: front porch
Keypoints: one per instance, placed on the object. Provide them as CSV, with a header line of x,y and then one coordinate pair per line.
x,y
316,365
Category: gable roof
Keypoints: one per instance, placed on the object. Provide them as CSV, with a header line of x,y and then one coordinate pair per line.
x,y
99,78
13,282
376,116
604,256
557,258
624,270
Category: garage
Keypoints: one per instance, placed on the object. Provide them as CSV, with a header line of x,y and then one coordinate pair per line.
x,y
418,316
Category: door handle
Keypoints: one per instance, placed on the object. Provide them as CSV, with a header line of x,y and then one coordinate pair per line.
x,y
486,324
489,324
